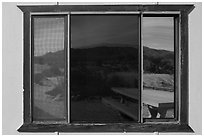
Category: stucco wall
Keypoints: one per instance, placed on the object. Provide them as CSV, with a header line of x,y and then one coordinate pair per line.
x,y
12,68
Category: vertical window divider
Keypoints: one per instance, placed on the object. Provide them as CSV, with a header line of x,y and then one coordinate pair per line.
x,y
177,65
179,69
141,67
31,36
68,67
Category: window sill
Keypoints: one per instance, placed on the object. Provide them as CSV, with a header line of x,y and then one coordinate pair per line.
x,y
120,128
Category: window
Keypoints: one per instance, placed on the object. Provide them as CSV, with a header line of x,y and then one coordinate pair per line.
x,y
106,68
159,67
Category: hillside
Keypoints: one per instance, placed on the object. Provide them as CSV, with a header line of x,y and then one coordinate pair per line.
x,y
158,61
155,61
163,82
94,70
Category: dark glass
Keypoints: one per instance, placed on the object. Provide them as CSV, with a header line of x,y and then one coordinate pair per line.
x,y
158,65
104,68
48,69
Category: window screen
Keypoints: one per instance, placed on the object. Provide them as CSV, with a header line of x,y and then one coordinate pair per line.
x,y
49,94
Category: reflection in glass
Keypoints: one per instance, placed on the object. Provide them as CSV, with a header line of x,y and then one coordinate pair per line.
x,y
158,67
48,69
104,68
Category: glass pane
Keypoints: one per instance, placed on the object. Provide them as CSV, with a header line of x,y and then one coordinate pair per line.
x,y
48,69
158,66
104,68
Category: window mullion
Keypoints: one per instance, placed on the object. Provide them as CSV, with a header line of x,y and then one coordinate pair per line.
x,y
177,65
141,67
68,66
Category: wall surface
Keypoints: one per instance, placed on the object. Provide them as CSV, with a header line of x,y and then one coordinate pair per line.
x,y
12,68
195,68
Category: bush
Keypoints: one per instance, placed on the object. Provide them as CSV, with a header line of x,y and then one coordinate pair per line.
x,y
123,79
58,90
38,78
87,84
52,72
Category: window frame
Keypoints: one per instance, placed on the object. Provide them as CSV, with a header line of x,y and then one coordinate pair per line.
x,y
180,125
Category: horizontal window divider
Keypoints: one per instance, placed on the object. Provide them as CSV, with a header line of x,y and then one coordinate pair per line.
x,y
49,122
120,128
162,12
153,121
106,12
49,13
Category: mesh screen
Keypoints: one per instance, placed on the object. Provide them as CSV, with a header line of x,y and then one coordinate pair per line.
x,y
48,69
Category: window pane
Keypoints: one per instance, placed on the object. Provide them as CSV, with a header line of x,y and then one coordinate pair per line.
x,y
104,68
158,66
48,69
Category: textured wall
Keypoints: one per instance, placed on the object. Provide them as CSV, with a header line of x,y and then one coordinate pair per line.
x,y
12,68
